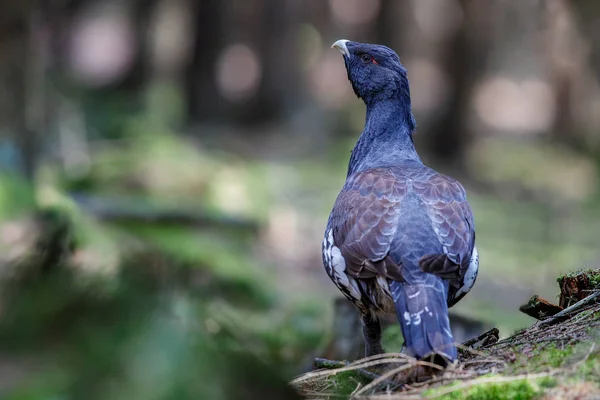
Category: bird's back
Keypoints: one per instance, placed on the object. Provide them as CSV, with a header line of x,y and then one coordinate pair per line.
x,y
415,236
403,212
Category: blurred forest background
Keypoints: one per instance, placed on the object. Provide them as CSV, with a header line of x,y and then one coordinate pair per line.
x,y
167,168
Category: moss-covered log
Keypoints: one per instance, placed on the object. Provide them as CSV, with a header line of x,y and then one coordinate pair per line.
x,y
578,285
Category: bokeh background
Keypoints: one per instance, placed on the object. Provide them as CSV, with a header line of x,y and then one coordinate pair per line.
x,y
168,166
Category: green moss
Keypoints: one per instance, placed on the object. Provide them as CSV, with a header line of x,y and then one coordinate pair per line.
x,y
344,383
543,359
392,339
593,275
550,357
588,370
518,390
555,357
595,278
16,196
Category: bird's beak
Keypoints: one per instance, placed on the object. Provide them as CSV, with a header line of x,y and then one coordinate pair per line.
x,y
341,46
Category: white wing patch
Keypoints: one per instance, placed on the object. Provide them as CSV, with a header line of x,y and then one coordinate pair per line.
x,y
326,249
336,267
471,274
368,296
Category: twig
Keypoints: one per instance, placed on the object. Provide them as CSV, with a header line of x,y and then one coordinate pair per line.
x,y
492,333
585,358
383,355
349,367
542,340
395,371
580,304
383,378
333,364
329,364
463,350
484,361
443,378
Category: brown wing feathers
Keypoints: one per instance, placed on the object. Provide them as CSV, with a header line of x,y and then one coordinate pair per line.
x,y
452,221
364,232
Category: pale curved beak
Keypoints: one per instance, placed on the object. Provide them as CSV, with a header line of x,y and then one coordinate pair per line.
x,y
341,46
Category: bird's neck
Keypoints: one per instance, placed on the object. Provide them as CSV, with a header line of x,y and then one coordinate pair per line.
x,y
387,137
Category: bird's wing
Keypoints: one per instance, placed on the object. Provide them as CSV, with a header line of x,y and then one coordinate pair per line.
x,y
452,221
364,221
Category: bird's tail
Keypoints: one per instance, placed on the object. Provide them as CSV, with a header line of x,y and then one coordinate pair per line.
x,y
423,315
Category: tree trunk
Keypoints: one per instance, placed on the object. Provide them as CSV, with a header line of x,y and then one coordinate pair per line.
x,y
203,98
588,13
463,60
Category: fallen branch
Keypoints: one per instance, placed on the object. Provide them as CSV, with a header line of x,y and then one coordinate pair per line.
x,y
379,359
137,210
487,337
575,307
323,363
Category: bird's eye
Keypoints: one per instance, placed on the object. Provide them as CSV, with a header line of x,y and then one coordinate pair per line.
x,y
367,59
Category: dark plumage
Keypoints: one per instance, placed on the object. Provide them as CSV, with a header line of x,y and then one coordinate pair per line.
x,y
401,236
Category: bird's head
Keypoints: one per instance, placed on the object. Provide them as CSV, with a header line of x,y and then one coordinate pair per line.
x,y
375,71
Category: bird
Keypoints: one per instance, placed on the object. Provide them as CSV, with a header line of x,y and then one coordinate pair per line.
x,y
400,238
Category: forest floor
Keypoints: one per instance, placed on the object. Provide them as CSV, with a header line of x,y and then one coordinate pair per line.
x,y
558,358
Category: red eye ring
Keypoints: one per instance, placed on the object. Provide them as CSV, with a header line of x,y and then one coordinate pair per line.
x,y
367,58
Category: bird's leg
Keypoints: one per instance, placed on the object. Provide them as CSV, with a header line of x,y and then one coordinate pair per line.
x,y
404,349
372,335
